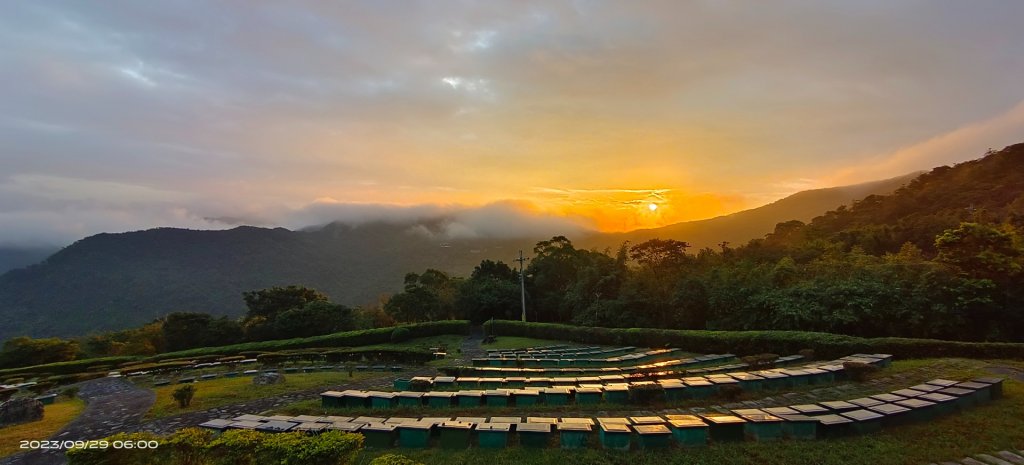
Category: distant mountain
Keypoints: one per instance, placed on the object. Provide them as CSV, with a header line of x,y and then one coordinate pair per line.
x,y
114,281
19,257
738,228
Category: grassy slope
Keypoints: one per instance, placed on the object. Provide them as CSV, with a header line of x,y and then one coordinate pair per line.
x,y
225,391
995,426
55,416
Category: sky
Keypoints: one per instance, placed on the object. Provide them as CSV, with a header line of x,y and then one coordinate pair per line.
x,y
513,116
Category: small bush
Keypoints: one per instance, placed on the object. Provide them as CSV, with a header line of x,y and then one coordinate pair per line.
x,y
70,392
646,394
419,385
188,445
858,371
41,387
807,354
760,361
122,455
183,395
7,393
730,392
400,334
394,459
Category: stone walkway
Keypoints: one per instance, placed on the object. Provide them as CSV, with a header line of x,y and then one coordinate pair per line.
x,y
1004,457
113,405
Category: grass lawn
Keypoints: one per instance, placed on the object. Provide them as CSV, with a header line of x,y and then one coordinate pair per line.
x,y
225,391
55,416
996,426
509,342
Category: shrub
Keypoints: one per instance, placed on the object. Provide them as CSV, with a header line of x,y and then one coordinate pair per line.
x,y
394,459
807,354
760,361
646,394
730,392
75,378
400,334
7,393
420,385
122,455
41,387
70,392
255,448
188,446
183,395
272,359
858,371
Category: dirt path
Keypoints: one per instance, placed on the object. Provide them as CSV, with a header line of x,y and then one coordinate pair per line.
x,y
113,405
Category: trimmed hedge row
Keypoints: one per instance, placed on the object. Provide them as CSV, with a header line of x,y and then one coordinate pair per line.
x,y
349,355
64,368
193,446
345,339
825,345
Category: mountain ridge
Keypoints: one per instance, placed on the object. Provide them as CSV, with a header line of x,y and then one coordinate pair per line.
x,y
110,281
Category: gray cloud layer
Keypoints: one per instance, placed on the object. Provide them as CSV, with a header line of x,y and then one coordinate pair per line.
x,y
124,115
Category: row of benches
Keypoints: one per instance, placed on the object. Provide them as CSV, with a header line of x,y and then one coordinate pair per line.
x,y
919,403
497,394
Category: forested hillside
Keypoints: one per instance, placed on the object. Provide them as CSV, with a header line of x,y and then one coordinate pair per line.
x,y
940,258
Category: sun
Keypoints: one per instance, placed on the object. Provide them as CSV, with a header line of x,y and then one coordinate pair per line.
x,y
652,207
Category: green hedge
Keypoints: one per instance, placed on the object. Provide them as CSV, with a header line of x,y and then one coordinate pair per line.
x,y
64,368
345,339
193,446
825,345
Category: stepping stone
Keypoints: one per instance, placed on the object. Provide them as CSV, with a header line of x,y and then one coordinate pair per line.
x,y
992,460
1011,457
970,461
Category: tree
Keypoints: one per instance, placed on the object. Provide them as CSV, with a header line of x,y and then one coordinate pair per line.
x,y
268,303
26,351
315,318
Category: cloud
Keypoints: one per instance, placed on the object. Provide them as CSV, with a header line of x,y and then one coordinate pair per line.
x,y
504,219
962,144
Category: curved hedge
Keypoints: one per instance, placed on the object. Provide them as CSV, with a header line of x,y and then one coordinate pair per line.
x,y
344,339
65,368
825,345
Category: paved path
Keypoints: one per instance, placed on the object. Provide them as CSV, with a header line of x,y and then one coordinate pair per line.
x,y
113,405
1003,457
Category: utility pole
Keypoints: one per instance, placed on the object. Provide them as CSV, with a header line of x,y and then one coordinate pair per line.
x,y
522,283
